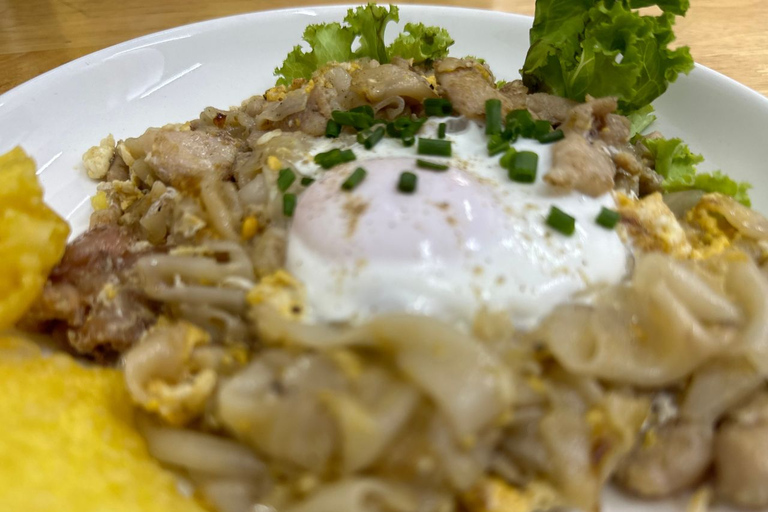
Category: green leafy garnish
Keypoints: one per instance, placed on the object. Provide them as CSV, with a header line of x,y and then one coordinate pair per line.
x,y
605,48
677,165
333,42
641,119
421,43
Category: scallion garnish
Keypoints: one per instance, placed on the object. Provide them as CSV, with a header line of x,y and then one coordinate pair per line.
x,y
357,120
520,122
354,179
550,137
439,107
496,145
523,168
441,130
307,181
405,126
285,179
407,182
374,138
289,204
434,147
492,117
561,221
364,109
608,218
508,158
408,140
540,129
334,157
432,166
332,129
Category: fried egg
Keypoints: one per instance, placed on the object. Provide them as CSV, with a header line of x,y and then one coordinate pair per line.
x,y
467,238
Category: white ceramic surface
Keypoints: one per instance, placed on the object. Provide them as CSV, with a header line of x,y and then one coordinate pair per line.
x,y
172,75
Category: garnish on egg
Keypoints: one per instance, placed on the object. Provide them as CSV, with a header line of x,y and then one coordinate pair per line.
x,y
407,182
561,221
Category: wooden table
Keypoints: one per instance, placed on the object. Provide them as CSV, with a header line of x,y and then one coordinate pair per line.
x,y
37,35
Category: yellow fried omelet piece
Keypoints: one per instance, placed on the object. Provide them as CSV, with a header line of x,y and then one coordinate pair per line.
x,y
68,442
493,494
32,236
651,226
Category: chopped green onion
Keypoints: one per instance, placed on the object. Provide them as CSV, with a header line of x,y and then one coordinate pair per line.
x,y
511,133
364,109
492,117
307,181
334,157
361,136
356,120
432,166
407,182
496,145
508,159
523,169
434,147
408,140
403,126
289,204
374,138
285,179
540,129
354,179
520,122
561,221
551,137
608,218
441,130
402,123
439,107
332,129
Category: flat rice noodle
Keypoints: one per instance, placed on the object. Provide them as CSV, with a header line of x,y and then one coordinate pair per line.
x,y
359,495
456,371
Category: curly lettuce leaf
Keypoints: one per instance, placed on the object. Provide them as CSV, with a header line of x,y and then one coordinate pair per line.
x,y
677,164
363,26
370,22
605,48
713,182
421,43
641,119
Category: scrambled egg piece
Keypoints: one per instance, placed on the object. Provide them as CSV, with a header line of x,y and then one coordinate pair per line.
x,y
652,226
32,237
166,380
98,159
713,235
281,291
495,495
68,442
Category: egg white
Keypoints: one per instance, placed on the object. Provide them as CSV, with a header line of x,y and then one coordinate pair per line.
x,y
468,237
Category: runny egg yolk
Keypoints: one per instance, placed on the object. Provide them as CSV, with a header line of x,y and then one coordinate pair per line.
x,y
465,239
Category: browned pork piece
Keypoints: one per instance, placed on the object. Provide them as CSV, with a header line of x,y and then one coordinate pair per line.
x,y
582,160
547,106
596,155
741,455
673,458
87,301
183,158
468,84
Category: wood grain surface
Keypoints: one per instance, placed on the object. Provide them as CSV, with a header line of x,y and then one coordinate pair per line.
x,y
38,35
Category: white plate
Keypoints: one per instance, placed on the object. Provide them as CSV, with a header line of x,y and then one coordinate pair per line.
x,y
172,75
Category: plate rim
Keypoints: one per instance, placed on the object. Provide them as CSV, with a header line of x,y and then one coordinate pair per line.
x,y
189,29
